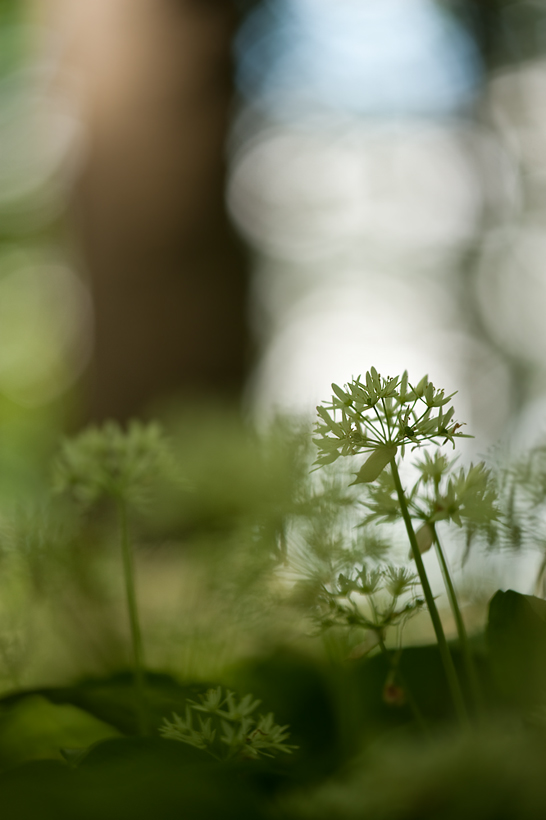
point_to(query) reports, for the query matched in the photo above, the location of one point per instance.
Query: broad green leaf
(516, 634)
(132, 779)
(35, 729)
(375, 464)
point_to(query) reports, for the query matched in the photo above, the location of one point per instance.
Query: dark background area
(142, 218)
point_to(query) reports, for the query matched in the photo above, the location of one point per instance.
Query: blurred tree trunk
(168, 276)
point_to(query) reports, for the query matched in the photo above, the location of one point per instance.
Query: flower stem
(539, 583)
(447, 660)
(459, 622)
(417, 714)
(132, 609)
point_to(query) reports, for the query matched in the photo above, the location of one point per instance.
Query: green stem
(417, 714)
(368, 424)
(132, 609)
(447, 660)
(386, 416)
(539, 591)
(459, 622)
(381, 422)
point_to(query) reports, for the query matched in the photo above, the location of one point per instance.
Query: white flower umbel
(380, 417)
(230, 729)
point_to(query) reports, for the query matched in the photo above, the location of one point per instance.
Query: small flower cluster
(229, 723)
(109, 461)
(380, 415)
(467, 497)
(523, 500)
(338, 607)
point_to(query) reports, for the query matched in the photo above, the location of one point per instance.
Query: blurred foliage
(239, 549)
(516, 636)
(235, 546)
(36, 309)
(506, 31)
(12, 14)
(495, 774)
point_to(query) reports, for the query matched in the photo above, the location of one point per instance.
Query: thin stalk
(459, 622)
(381, 421)
(386, 416)
(539, 583)
(370, 426)
(445, 655)
(132, 609)
(417, 714)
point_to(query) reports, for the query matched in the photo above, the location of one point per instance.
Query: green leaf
(111, 700)
(375, 464)
(132, 779)
(516, 634)
(35, 729)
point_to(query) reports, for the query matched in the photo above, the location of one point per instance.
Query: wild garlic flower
(466, 497)
(340, 604)
(109, 461)
(380, 415)
(230, 723)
